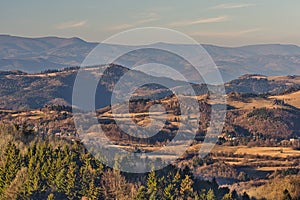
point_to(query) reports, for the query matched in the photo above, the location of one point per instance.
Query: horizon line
(97, 42)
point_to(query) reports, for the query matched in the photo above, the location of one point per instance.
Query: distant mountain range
(39, 54)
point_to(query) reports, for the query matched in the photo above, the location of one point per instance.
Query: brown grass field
(292, 98)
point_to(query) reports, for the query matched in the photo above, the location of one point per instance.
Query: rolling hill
(38, 54)
(258, 106)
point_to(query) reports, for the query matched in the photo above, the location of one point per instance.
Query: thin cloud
(147, 15)
(71, 25)
(227, 34)
(232, 6)
(120, 27)
(200, 21)
(132, 25)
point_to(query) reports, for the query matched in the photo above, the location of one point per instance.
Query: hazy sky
(230, 23)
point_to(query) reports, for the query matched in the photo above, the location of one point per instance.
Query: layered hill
(258, 107)
(38, 54)
(20, 90)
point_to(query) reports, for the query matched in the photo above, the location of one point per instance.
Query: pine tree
(61, 181)
(227, 196)
(13, 161)
(71, 189)
(93, 192)
(168, 192)
(210, 195)
(141, 193)
(196, 196)
(13, 191)
(202, 195)
(171, 187)
(152, 185)
(186, 187)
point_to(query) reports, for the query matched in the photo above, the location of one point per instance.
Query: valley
(260, 138)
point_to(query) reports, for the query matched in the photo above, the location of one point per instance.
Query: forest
(53, 168)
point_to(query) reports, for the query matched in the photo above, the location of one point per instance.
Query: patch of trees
(287, 172)
(60, 70)
(261, 113)
(56, 169)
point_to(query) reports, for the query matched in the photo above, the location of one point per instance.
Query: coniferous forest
(52, 168)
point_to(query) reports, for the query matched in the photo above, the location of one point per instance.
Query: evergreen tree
(141, 193)
(171, 191)
(202, 195)
(93, 192)
(12, 165)
(210, 195)
(186, 187)
(71, 189)
(152, 185)
(61, 181)
(227, 196)
(168, 192)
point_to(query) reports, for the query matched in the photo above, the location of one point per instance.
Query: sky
(219, 22)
